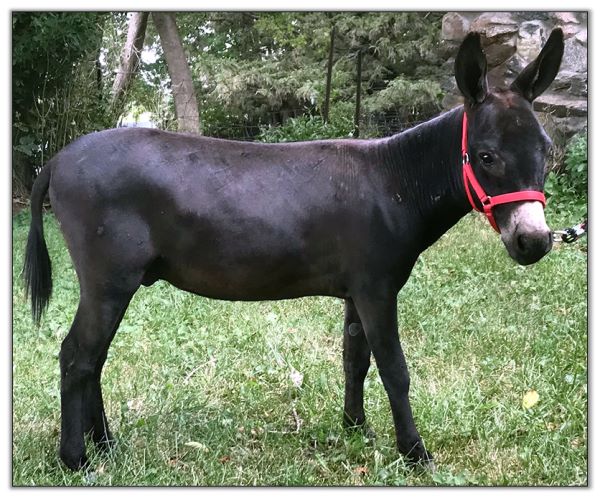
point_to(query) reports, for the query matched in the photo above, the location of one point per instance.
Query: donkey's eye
(486, 158)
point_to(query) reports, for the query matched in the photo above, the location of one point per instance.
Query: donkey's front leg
(357, 358)
(378, 313)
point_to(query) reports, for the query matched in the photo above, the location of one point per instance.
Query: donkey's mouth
(526, 235)
(529, 248)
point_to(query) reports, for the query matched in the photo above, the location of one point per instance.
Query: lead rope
(571, 234)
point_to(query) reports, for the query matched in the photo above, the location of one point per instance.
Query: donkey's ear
(538, 75)
(470, 70)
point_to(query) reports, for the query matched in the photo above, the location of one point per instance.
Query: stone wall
(511, 40)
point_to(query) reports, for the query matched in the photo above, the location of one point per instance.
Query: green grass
(199, 392)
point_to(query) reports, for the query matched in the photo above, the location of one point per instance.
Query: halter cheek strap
(488, 202)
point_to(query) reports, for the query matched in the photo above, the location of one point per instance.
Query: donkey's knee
(76, 365)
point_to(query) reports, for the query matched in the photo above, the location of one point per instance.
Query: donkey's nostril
(522, 242)
(536, 242)
(530, 247)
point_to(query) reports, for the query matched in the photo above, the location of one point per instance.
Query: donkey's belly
(249, 260)
(251, 284)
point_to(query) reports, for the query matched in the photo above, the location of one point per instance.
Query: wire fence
(371, 124)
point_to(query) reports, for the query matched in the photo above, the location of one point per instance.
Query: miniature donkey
(253, 221)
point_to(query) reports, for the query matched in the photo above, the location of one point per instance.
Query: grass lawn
(203, 392)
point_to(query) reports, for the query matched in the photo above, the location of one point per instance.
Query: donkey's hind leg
(95, 422)
(82, 355)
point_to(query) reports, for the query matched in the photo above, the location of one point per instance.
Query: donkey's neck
(423, 166)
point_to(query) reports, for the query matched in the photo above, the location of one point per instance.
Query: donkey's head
(507, 146)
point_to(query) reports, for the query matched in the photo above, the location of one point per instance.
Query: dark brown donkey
(252, 221)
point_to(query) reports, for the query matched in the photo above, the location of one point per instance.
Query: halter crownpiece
(488, 202)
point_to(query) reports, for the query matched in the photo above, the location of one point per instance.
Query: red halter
(488, 202)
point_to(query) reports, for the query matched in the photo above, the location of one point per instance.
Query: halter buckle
(486, 201)
(465, 158)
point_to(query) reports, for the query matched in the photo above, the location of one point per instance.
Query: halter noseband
(488, 202)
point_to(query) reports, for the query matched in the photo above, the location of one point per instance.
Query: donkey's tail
(37, 270)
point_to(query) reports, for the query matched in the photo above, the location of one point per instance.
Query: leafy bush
(306, 128)
(567, 188)
(402, 92)
(57, 88)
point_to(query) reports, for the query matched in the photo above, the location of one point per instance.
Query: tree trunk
(130, 57)
(186, 106)
(328, 82)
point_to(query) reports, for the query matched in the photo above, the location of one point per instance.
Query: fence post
(358, 81)
(328, 82)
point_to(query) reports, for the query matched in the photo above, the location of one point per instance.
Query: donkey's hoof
(426, 464)
(355, 425)
(74, 461)
(364, 429)
(106, 445)
(419, 458)
(105, 442)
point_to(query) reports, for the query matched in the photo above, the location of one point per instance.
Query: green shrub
(58, 92)
(567, 188)
(306, 128)
(408, 94)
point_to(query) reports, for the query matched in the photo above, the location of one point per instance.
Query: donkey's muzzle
(524, 231)
(532, 246)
